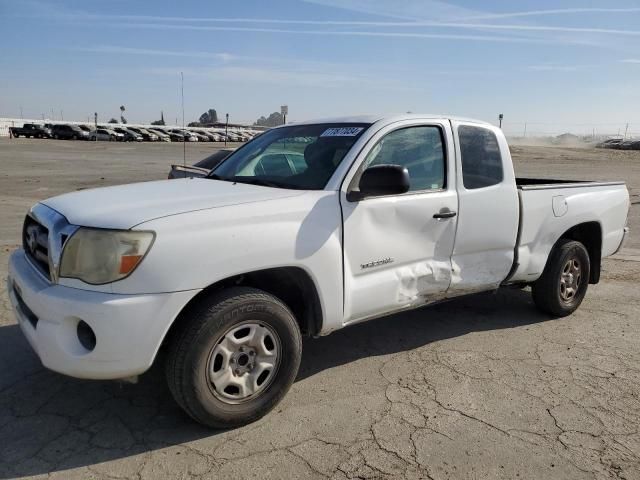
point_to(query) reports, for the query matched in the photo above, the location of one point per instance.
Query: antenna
(184, 139)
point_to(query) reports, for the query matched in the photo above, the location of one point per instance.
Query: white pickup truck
(304, 230)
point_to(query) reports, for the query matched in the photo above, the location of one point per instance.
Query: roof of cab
(385, 119)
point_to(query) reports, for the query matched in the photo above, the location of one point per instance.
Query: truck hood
(125, 206)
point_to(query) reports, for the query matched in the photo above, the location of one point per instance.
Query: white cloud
(354, 33)
(222, 56)
(557, 11)
(290, 76)
(405, 9)
(631, 60)
(555, 68)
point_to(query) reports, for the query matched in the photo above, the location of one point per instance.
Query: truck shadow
(51, 423)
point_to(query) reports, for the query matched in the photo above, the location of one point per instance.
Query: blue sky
(557, 65)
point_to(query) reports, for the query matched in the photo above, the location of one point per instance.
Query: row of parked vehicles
(620, 144)
(128, 133)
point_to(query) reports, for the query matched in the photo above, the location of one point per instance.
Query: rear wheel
(74, 137)
(234, 357)
(565, 280)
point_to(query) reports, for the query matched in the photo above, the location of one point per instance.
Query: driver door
(397, 255)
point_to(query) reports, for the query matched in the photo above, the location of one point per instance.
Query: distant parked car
(630, 145)
(610, 143)
(162, 135)
(30, 130)
(201, 168)
(210, 137)
(85, 128)
(201, 136)
(147, 136)
(103, 134)
(129, 135)
(186, 135)
(69, 132)
(175, 136)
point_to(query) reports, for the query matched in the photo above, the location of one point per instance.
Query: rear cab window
(481, 157)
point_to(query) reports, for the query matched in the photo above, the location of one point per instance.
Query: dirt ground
(481, 387)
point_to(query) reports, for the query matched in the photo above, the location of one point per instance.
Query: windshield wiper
(215, 176)
(257, 181)
(254, 181)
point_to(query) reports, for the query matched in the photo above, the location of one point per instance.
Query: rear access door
(488, 212)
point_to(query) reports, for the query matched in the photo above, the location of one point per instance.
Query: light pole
(226, 130)
(500, 118)
(95, 119)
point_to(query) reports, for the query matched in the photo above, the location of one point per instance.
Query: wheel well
(590, 235)
(292, 285)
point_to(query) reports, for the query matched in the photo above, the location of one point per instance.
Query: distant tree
(194, 124)
(273, 120)
(113, 120)
(161, 121)
(210, 116)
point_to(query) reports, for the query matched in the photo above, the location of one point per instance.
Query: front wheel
(233, 357)
(565, 279)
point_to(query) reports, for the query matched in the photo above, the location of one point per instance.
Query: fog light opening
(86, 336)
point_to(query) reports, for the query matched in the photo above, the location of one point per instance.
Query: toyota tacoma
(229, 272)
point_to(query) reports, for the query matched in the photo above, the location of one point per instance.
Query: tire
(74, 137)
(564, 281)
(198, 349)
(56, 136)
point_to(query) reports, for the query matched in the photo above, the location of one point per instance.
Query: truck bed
(549, 208)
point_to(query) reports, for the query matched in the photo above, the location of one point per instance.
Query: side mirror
(381, 180)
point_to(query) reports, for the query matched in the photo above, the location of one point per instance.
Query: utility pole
(61, 117)
(500, 118)
(95, 119)
(21, 116)
(226, 130)
(525, 129)
(626, 130)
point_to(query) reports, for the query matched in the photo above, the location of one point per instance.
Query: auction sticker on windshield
(342, 132)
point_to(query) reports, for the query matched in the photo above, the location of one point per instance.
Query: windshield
(298, 157)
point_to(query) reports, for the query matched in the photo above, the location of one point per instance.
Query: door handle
(445, 214)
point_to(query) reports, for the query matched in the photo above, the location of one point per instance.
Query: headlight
(102, 256)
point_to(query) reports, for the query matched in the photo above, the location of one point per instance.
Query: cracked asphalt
(481, 387)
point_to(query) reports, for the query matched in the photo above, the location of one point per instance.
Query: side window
(481, 157)
(419, 149)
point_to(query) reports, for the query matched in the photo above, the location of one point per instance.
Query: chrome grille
(35, 241)
(44, 234)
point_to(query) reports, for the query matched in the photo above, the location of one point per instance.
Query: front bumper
(128, 328)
